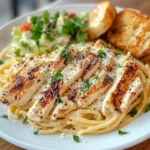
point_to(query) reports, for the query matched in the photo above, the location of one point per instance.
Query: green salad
(40, 34)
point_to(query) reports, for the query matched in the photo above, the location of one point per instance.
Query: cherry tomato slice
(70, 15)
(25, 27)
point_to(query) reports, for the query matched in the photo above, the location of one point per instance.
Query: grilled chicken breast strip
(133, 91)
(42, 107)
(25, 83)
(30, 77)
(68, 100)
(99, 86)
(114, 97)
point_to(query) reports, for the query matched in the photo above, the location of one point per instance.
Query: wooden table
(143, 5)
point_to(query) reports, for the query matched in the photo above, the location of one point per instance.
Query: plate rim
(21, 144)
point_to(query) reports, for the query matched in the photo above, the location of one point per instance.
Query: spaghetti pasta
(81, 121)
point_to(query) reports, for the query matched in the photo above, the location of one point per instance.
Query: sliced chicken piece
(59, 64)
(134, 90)
(91, 69)
(42, 107)
(102, 44)
(73, 71)
(99, 86)
(56, 60)
(31, 76)
(24, 83)
(74, 92)
(63, 108)
(115, 95)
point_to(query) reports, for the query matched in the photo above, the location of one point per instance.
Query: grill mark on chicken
(32, 70)
(77, 57)
(5, 102)
(43, 102)
(18, 85)
(55, 63)
(93, 62)
(109, 68)
(31, 76)
(107, 80)
(20, 90)
(53, 90)
(72, 94)
(23, 82)
(122, 86)
(31, 73)
(99, 86)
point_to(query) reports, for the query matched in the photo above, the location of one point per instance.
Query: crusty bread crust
(100, 19)
(146, 58)
(131, 32)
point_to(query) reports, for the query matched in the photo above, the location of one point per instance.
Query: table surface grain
(143, 5)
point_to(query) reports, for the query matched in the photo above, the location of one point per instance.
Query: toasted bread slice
(146, 58)
(100, 19)
(131, 32)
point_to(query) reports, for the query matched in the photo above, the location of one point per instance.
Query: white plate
(22, 135)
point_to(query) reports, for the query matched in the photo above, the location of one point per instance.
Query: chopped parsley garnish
(26, 46)
(81, 36)
(36, 36)
(122, 132)
(36, 132)
(50, 32)
(86, 85)
(147, 108)
(56, 16)
(66, 54)
(75, 27)
(24, 120)
(1, 62)
(101, 52)
(49, 36)
(76, 138)
(36, 28)
(57, 76)
(46, 16)
(118, 52)
(58, 100)
(5, 116)
(133, 112)
(17, 53)
(120, 66)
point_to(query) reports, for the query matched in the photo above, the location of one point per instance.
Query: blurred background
(10, 9)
